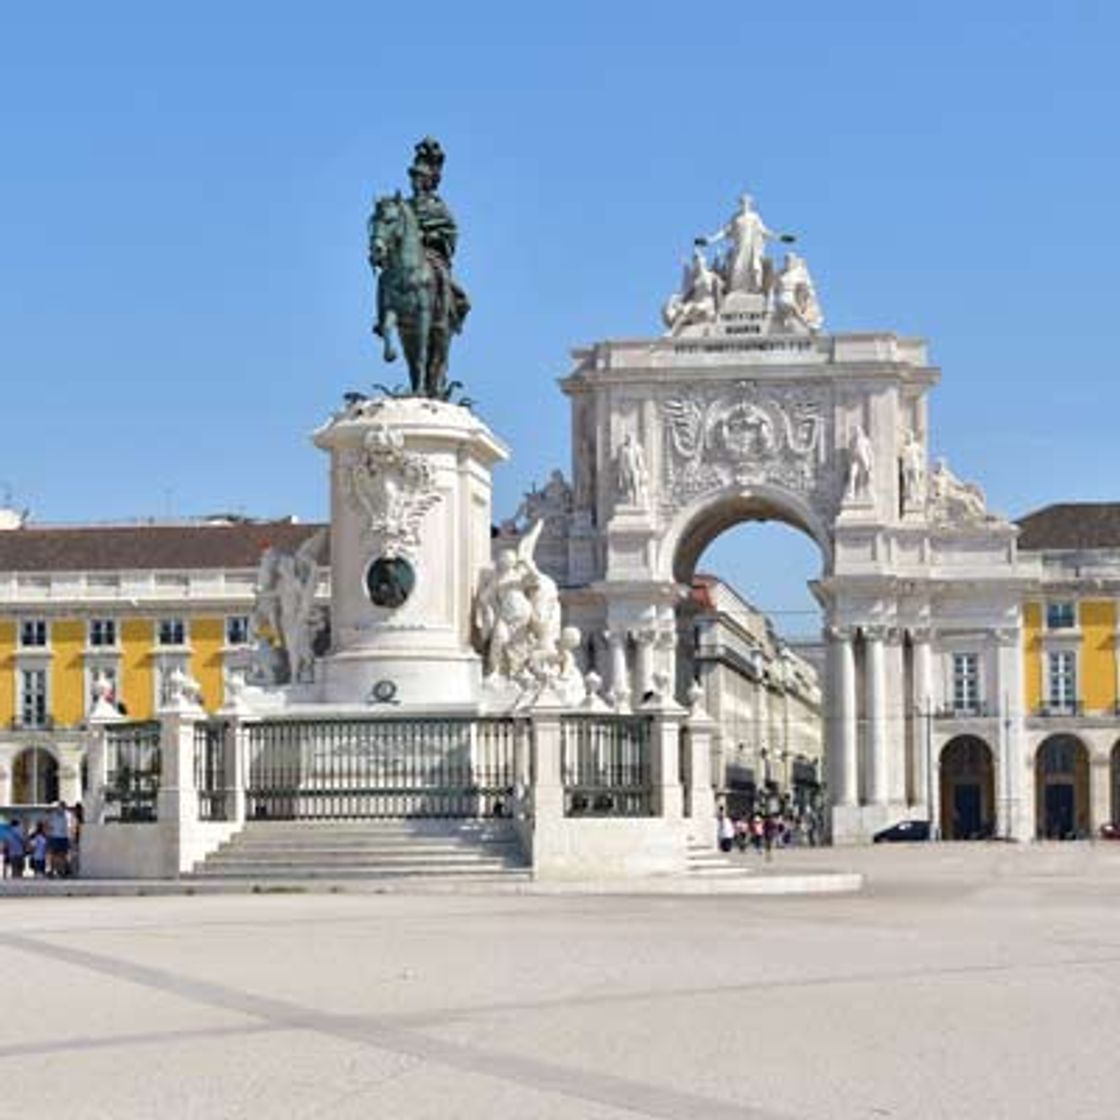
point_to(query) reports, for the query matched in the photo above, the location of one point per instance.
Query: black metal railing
(213, 770)
(605, 765)
(132, 772)
(380, 768)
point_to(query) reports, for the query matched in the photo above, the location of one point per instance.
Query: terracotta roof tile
(1071, 525)
(137, 547)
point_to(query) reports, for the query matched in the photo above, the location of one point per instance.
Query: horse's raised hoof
(389, 354)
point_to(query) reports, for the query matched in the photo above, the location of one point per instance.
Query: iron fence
(605, 765)
(381, 768)
(213, 770)
(132, 772)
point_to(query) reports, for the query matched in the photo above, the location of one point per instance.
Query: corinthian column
(840, 720)
(876, 708)
(922, 703)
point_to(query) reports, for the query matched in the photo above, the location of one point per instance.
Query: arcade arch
(1062, 788)
(750, 636)
(967, 789)
(34, 777)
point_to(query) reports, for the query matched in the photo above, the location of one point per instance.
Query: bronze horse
(412, 296)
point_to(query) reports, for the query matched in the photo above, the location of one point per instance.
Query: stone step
(311, 859)
(504, 874)
(366, 849)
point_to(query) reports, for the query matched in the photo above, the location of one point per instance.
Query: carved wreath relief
(393, 487)
(744, 435)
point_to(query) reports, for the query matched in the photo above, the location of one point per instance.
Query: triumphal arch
(747, 409)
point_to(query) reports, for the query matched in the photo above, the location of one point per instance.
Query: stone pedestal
(410, 533)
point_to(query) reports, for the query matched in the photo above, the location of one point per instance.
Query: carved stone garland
(745, 435)
(393, 487)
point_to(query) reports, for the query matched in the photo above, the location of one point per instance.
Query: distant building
(130, 602)
(764, 697)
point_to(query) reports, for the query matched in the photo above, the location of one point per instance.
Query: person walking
(725, 830)
(58, 841)
(15, 851)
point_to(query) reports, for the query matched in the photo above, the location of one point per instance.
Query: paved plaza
(963, 981)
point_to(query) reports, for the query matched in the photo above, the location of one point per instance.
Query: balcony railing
(1058, 708)
(963, 711)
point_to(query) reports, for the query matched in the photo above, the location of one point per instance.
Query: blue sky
(183, 285)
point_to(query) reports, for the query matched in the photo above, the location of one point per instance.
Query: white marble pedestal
(410, 533)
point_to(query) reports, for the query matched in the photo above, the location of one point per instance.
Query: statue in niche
(950, 499)
(795, 298)
(630, 472)
(744, 267)
(699, 298)
(411, 245)
(861, 465)
(913, 464)
(517, 615)
(283, 618)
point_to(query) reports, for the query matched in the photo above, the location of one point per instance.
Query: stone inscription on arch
(745, 434)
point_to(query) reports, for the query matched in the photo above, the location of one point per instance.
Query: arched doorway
(34, 777)
(967, 789)
(749, 633)
(1114, 785)
(1062, 786)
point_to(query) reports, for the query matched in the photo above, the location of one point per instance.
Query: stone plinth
(410, 533)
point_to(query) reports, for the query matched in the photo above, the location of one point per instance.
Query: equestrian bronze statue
(411, 245)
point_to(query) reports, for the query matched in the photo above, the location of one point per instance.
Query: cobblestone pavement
(964, 981)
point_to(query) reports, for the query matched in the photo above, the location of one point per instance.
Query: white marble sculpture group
(787, 294)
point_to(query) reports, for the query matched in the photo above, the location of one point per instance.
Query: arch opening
(749, 634)
(1062, 788)
(967, 789)
(34, 777)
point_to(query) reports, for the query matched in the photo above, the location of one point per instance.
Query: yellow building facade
(126, 604)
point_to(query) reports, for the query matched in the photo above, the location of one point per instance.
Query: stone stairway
(374, 849)
(708, 862)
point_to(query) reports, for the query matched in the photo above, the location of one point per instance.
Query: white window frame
(40, 624)
(173, 621)
(97, 626)
(1063, 700)
(1056, 604)
(230, 619)
(43, 694)
(965, 682)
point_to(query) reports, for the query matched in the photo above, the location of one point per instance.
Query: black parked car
(903, 830)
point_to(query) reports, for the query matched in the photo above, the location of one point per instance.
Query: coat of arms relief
(746, 434)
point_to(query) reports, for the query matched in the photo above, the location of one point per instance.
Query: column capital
(839, 633)
(1007, 635)
(923, 634)
(875, 632)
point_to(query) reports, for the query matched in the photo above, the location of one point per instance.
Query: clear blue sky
(183, 285)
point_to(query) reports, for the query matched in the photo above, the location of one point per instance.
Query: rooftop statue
(699, 298)
(744, 267)
(411, 245)
(795, 298)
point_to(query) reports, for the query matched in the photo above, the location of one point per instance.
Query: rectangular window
(1062, 681)
(172, 632)
(1061, 616)
(33, 697)
(237, 630)
(966, 682)
(33, 633)
(103, 632)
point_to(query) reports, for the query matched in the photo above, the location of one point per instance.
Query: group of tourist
(785, 826)
(45, 848)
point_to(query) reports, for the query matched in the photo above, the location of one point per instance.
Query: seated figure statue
(698, 301)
